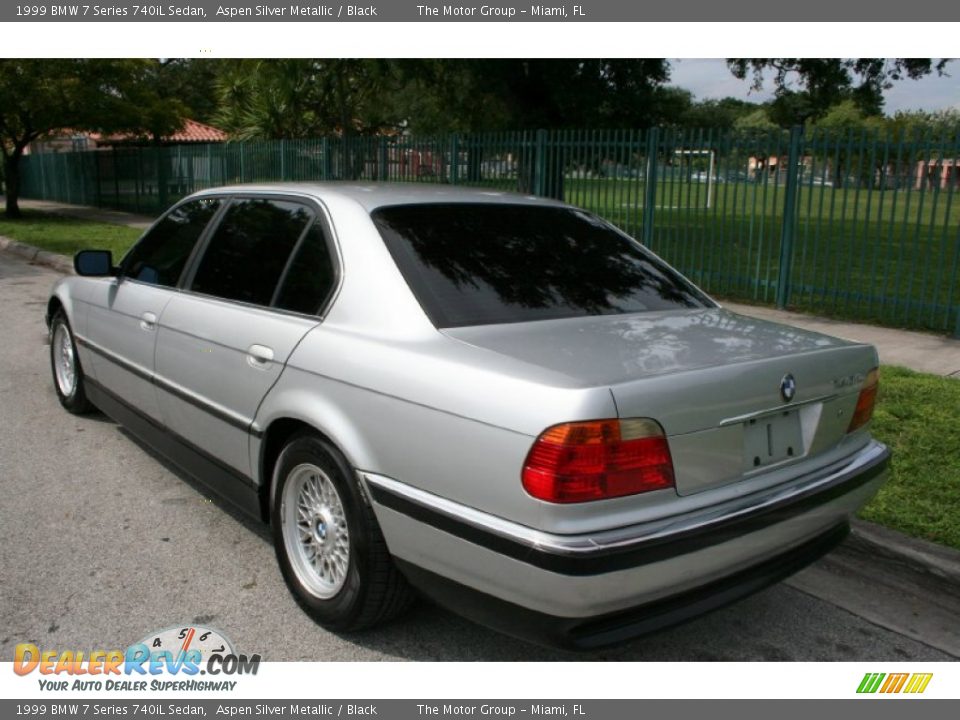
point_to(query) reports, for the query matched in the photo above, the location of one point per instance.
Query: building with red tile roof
(192, 132)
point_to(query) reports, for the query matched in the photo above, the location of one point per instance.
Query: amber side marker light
(598, 459)
(866, 401)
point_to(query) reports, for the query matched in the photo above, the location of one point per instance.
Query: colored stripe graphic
(894, 683)
(918, 683)
(870, 682)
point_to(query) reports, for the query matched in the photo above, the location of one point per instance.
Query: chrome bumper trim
(635, 544)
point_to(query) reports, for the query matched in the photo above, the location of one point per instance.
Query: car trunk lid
(735, 395)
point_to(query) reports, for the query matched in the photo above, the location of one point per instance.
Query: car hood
(613, 349)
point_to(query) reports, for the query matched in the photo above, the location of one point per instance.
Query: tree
(828, 81)
(939, 124)
(791, 108)
(528, 94)
(297, 98)
(43, 96)
(846, 117)
(755, 121)
(193, 82)
(724, 113)
(534, 94)
(843, 123)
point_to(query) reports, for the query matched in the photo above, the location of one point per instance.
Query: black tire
(373, 590)
(74, 401)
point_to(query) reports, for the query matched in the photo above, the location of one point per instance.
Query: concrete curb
(939, 563)
(908, 586)
(27, 252)
(55, 261)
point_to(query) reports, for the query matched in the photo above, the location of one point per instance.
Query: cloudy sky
(711, 79)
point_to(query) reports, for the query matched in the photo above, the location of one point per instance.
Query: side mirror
(94, 263)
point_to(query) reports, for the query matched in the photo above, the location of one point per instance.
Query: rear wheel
(68, 378)
(331, 552)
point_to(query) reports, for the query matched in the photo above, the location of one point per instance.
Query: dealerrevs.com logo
(891, 683)
(176, 652)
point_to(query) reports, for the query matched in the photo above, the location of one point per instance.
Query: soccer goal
(698, 166)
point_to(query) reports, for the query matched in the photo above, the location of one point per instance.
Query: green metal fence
(852, 225)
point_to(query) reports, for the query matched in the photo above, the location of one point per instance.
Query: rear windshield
(482, 264)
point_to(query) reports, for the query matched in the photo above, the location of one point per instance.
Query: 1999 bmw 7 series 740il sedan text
(501, 401)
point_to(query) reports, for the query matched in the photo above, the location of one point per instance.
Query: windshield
(482, 264)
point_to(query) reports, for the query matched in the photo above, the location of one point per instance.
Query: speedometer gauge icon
(182, 639)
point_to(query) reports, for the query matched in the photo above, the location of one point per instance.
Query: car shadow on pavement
(432, 633)
(260, 529)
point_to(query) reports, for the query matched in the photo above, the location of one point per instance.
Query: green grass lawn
(884, 257)
(918, 416)
(68, 235)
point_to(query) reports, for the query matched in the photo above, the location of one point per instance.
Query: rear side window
(249, 249)
(309, 280)
(161, 254)
(480, 264)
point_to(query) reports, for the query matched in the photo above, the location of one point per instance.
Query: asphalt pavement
(102, 542)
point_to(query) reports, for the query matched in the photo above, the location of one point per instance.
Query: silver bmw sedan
(498, 401)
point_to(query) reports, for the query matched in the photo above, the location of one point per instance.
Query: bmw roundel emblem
(788, 387)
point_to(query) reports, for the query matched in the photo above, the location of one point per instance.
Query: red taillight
(865, 402)
(598, 459)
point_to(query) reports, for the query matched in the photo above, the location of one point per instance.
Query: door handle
(148, 321)
(259, 356)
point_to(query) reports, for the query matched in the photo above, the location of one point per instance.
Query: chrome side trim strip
(138, 370)
(221, 413)
(190, 397)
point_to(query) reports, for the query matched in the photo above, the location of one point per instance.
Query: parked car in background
(501, 401)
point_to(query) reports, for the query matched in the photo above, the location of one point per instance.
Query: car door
(253, 294)
(121, 328)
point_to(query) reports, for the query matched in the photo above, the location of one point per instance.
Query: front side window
(160, 256)
(481, 264)
(249, 249)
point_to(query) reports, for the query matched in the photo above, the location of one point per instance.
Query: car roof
(374, 195)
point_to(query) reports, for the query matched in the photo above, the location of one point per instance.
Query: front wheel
(67, 373)
(331, 552)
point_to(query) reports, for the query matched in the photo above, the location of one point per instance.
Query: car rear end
(733, 453)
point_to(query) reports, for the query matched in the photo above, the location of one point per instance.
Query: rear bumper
(722, 552)
(611, 628)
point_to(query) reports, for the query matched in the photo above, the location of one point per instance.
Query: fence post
(454, 159)
(283, 160)
(650, 189)
(138, 184)
(43, 176)
(383, 173)
(325, 158)
(98, 192)
(540, 164)
(116, 177)
(80, 162)
(163, 184)
(789, 217)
